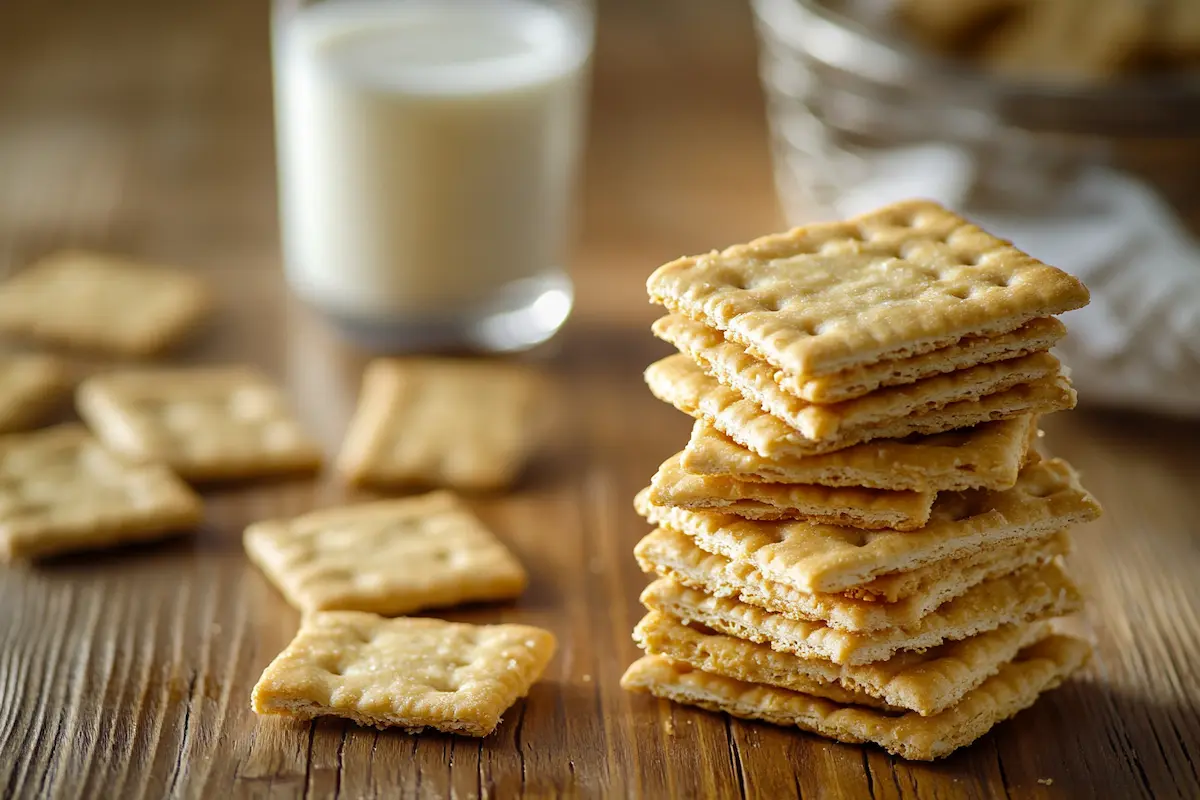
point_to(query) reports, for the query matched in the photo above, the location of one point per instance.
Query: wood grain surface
(144, 127)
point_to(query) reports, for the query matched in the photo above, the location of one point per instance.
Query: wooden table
(144, 127)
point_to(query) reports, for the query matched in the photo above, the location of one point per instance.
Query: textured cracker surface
(755, 380)
(468, 425)
(679, 381)
(828, 558)
(407, 673)
(853, 507)
(82, 299)
(1036, 669)
(969, 351)
(30, 386)
(673, 555)
(62, 491)
(987, 456)
(928, 682)
(1022, 597)
(390, 557)
(206, 423)
(903, 280)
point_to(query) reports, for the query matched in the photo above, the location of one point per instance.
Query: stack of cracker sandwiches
(861, 539)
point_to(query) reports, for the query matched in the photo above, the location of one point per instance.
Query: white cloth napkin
(1137, 345)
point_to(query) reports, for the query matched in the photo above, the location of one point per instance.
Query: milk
(427, 151)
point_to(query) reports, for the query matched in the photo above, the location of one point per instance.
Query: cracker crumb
(669, 726)
(1046, 781)
(587, 678)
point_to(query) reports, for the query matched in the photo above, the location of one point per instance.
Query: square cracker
(854, 507)
(987, 456)
(467, 425)
(696, 338)
(62, 491)
(755, 380)
(1036, 669)
(828, 558)
(206, 423)
(407, 673)
(673, 555)
(390, 557)
(1032, 337)
(928, 682)
(1021, 597)
(100, 302)
(30, 386)
(679, 381)
(898, 282)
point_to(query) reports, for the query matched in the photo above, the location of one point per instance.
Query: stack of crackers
(861, 539)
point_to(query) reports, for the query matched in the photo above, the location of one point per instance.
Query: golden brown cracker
(407, 673)
(1017, 685)
(903, 280)
(62, 491)
(389, 557)
(101, 302)
(206, 423)
(827, 558)
(467, 425)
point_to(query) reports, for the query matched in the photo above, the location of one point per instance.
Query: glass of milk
(428, 152)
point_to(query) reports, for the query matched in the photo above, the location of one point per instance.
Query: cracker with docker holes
(928, 682)
(206, 423)
(901, 281)
(1021, 597)
(828, 558)
(987, 456)
(30, 387)
(850, 506)
(406, 673)
(466, 425)
(1036, 669)
(970, 351)
(755, 380)
(62, 491)
(679, 381)
(98, 302)
(389, 557)
(675, 556)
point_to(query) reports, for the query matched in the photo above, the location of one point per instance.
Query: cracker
(853, 507)
(62, 491)
(1032, 337)
(469, 425)
(30, 387)
(390, 557)
(673, 555)
(679, 381)
(928, 682)
(952, 24)
(407, 673)
(827, 558)
(1025, 596)
(898, 282)
(755, 381)
(1070, 40)
(987, 456)
(100, 302)
(662, 635)
(206, 423)
(1036, 669)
